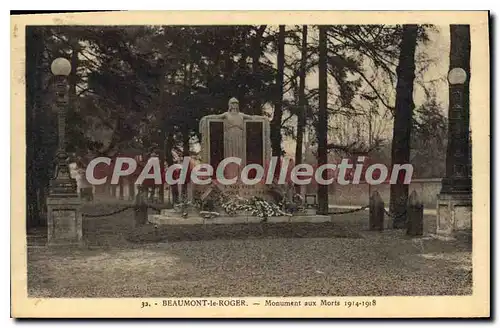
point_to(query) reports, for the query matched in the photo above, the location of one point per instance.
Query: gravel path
(374, 265)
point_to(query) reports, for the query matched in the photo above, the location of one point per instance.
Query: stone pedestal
(64, 221)
(172, 218)
(454, 214)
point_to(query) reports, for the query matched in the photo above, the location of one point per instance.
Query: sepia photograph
(263, 165)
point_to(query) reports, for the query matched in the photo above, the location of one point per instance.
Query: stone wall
(358, 195)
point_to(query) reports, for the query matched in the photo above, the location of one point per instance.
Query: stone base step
(160, 219)
(173, 213)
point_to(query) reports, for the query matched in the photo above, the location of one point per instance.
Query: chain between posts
(395, 216)
(135, 206)
(159, 210)
(350, 211)
(88, 215)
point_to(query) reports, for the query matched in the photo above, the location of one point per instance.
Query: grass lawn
(335, 259)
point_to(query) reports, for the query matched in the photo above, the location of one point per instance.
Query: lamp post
(62, 185)
(454, 205)
(457, 180)
(64, 222)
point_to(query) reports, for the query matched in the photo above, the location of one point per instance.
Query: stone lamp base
(64, 221)
(454, 214)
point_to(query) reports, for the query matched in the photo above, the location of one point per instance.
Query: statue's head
(234, 105)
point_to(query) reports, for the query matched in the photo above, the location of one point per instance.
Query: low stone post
(141, 208)
(376, 212)
(415, 215)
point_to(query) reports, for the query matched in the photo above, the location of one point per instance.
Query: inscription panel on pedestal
(64, 224)
(216, 146)
(254, 143)
(246, 191)
(444, 217)
(463, 215)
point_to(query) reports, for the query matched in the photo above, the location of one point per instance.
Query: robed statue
(234, 136)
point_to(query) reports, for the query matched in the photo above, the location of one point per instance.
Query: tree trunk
(322, 128)
(73, 77)
(301, 112)
(403, 121)
(163, 134)
(169, 144)
(241, 90)
(185, 128)
(185, 153)
(256, 51)
(33, 57)
(161, 157)
(39, 135)
(278, 110)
